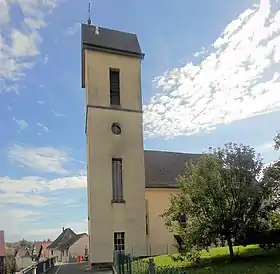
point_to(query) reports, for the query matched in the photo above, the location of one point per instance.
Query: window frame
(119, 241)
(115, 87)
(117, 180)
(147, 217)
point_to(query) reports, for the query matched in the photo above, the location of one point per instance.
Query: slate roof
(111, 40)
(162, 167)
(65, 239)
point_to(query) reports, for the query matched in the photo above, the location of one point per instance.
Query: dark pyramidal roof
(109, 40)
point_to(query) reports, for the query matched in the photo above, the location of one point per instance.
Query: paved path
(73, 268)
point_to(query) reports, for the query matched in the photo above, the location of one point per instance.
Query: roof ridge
(110, 29)
(171, 152)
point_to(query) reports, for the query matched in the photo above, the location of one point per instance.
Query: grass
(250, 259)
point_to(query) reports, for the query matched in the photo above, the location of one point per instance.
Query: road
(73, 268)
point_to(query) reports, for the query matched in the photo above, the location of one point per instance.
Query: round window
(116, 128)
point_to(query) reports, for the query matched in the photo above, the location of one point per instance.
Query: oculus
(116, 128)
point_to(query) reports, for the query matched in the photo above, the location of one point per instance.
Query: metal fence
(126, 264)
(40, 267)
(153, 250)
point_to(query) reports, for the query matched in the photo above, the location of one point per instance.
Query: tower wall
(105, 216)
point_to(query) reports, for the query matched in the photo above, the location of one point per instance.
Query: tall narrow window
(119, 244)
(147, 217)
(115, 99)
(117, 180)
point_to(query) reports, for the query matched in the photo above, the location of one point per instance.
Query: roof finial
(89, 13)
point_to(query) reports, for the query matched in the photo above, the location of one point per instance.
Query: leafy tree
(10, 266)
(271, 175)
(222, 199)
(277, 141)
(23, 243)
(274, 222)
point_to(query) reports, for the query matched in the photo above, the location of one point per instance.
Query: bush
(266, 239)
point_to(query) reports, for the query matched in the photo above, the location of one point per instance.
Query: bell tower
(111, 75)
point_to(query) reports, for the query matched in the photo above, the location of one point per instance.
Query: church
(128, 187)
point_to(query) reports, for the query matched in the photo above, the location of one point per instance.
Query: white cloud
(45, 59)
(54, 232)
(20, 223)
(40, 102)
(32, 191)
(57, 114)
(22, 124)
(12, 190)
(43, 127)
(266, 147)
(36, 194)
(34, 23)
(73, 29)
(19, 46)
(4, 12)
(24, 45)
(45, 159)
(14, 220)
(238, 78)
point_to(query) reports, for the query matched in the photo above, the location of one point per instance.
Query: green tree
(222, 199)
(274, 221)
(277, 141)
(10, 266)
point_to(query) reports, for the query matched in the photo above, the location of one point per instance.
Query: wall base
(102, 266)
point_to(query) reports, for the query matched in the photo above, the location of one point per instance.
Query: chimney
(62, 229)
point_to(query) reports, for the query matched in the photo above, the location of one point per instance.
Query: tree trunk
(231, 252)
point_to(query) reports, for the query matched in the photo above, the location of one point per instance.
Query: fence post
(152, 269)
(129, 262)
(118, 262)
(34, 270)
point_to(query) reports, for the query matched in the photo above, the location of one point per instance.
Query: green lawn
(251, 259)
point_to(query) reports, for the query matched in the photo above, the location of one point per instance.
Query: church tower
(111, 75)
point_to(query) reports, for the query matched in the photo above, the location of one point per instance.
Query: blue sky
(210, 75)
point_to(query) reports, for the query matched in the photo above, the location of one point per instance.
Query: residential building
(69, 245)
(41, 250)
(128, 187)
(23, 259)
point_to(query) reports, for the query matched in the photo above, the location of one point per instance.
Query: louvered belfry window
(117, 180)
(115, 99)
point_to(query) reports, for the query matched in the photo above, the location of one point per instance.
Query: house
(128, 187)
(69, 245)
(23, 259)
(41, 250)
